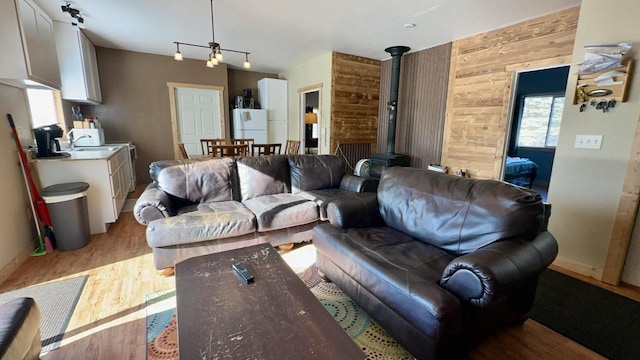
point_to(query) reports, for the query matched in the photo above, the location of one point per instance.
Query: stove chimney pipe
(396, 54)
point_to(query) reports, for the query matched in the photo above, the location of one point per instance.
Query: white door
(198, 116)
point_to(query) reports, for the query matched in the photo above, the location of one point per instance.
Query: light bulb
(247, 64)
(177, 56)
(209, 63)
(219, 56)
(214, 61)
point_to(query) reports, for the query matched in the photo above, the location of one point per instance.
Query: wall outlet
(588, 142)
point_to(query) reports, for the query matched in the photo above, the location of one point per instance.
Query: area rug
(600, 320)
(56, 301)
(372, 339)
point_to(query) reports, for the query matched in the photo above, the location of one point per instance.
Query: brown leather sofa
(441, 262)
(200, 207)
(20, 329)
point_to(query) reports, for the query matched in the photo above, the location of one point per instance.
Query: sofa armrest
(495, 271)
(151, 205)
(358, 184)
(356, 212)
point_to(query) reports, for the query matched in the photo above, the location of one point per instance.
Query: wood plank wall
(355, 88)
(424, 76)
(480, 82)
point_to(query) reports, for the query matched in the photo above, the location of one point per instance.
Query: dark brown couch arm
(485, 276)
(151, 205)
(358, 184)
(358, 212)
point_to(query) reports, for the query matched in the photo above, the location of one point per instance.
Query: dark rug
(605, 322)
(56, 301)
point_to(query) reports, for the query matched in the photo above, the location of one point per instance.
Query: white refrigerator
(250, 124)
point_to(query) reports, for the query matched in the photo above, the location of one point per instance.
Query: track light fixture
(215, 56)
(178, 54)
(74, 14)
(247, 64)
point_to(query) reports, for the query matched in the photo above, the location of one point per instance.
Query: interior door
(198, 116)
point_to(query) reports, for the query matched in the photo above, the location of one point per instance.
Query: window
(540, 121)
(45, 106)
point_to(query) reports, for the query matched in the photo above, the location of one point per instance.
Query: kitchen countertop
(87, 153)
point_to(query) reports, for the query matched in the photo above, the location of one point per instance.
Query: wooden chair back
(183, 151)
(248, 142)
(229, 150)
(208, 143)
(265, 149)
(292, 147)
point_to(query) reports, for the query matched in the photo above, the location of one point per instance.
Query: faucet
(72, 141)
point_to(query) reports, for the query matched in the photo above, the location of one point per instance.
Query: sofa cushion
(279, 211)
(20, 329)
(312, 172)
(215, 220)
(325, 196)
(400, 271)
(263, 175)
(458, 214)
(199, 181)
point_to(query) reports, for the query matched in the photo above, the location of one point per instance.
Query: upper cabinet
(78, 65)
(28, 46)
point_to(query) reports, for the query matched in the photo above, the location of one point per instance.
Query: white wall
(314, 71)
(15, 226)
(586, 185)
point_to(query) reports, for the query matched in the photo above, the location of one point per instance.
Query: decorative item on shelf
(463, 173)
(215, 56)
(605, 85)
(437, 168)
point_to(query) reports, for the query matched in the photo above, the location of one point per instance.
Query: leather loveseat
(200, 207)
(440, 261)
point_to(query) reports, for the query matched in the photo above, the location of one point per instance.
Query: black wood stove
(377, 162)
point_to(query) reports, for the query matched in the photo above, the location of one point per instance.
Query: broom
(38, 205)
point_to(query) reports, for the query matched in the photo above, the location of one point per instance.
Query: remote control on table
(242, 273)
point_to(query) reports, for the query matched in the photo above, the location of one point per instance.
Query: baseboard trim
(579, 268)
(15, 263)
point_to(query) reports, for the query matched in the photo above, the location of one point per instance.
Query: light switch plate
(593, 142)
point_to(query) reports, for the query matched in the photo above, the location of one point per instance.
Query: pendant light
(215, 56)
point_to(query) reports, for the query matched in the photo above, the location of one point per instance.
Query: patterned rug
(372, 339)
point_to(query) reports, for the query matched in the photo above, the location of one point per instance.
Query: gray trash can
(67, 204)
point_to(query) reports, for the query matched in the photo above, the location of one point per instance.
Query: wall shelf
(619, 92)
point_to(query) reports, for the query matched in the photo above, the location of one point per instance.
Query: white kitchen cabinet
(78, 64)
(106, 172)
(273, 97)
(28, 45)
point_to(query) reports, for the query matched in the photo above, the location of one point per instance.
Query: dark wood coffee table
(275, 317)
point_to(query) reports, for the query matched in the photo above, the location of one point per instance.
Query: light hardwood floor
(109, 320)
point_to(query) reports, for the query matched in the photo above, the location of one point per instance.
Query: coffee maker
(47, 140)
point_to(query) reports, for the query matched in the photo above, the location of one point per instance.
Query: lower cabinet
(108, 180)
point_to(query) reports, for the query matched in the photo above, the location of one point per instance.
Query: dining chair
(183, 151)
(292, 147)
(208, 143)
(229, 150)
(248, 142)
(265, 149)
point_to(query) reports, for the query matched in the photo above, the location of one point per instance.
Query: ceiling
(281, 34)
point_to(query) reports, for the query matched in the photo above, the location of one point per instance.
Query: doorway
(538, 104)
(196, 113)
(310, 110)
